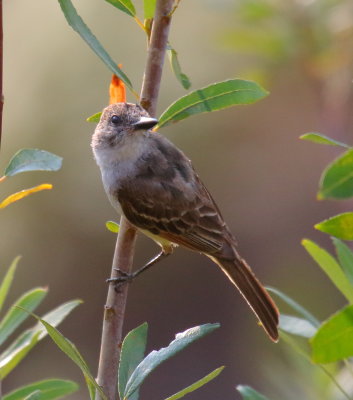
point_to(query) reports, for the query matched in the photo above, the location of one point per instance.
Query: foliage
(14, 353)
(134, 367)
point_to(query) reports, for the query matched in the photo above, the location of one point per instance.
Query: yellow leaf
(23, 193)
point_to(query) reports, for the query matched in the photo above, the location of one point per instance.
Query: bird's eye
(115, 119)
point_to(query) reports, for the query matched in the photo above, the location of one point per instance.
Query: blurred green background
(263, 178)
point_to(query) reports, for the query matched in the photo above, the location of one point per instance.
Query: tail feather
(254, 293)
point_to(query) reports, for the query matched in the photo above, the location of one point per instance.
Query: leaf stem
(124, 251)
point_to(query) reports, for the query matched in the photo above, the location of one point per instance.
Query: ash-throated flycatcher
(154, 185)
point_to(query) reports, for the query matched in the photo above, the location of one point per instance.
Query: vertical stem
(116, 301)
(1, 68)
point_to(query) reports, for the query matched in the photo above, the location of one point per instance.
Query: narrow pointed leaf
(334, 340)
(24, 193)
(331, 267)
(33, 160)
(249, 393)
(322, 139)
(345, 257)
(7, 364)
(6, 282)
(95, 117)
(132, 353)
(14, 317)
(337, 179)
(112, 226)
(179, 74)
(149, 7)
(71, 351)
(340, 226)
(295, 306)
(155, 358)
(78, 25)
(296, 326)
(213, 98)
(20, 347)
(37, 395)
(51, 389)
(197, 384)
(125, 6)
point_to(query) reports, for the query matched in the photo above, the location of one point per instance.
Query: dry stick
(124, 250)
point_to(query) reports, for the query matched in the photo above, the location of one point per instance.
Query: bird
(154, 185)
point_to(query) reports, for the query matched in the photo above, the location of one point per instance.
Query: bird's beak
(145, 123)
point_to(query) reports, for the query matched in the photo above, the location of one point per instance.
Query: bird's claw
(119, 281)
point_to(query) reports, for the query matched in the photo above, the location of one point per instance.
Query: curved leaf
(155, 358)
(125, 6)
(14, 317)
(337, 179)
(334, 340)
(345, 257)
(20, 347)
(112, 226)
(213, 98)
(322, 139)
(51, 389)
(296, 326)
(24, 193)
(149, 7)
(196, 385)
(78, 25)
(340, 226)
(33, 160)
(249, 393)
(132, 352)
(179, 74)
(7, 280)
(331, 267)
(95, 117)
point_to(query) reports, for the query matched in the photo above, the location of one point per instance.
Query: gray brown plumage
(154, 185)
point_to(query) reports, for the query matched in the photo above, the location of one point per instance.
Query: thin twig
(124, 250)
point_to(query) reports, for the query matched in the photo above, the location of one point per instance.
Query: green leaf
(112, 226)
(174, 62)
(149, 7)
(51, 389)
(155, 358)
(125, 6)
(212, 98)
(295, 306)
(7, 364)
(345, 257)
(78, 25)
(95, 117)
(132, 353)
(33, 160)
(337, 179)
(196, 385)
(330, 266)
(249, 393)
(14, 317)
(29, 338)
(71, 351)
(334, 340)
(340, 226)
(37, 395)
(296, 326)
(6, 282)
(322, 139)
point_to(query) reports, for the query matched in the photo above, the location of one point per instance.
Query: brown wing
(167, 198)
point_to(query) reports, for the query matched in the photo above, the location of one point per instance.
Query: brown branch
(124, 250)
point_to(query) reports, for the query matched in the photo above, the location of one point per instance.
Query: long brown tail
(254, 293)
